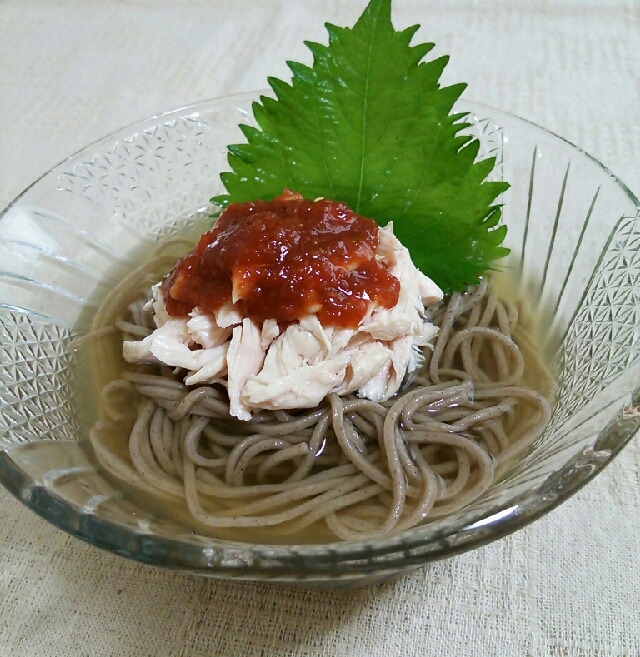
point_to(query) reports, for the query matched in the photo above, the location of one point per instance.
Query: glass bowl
(574, 232)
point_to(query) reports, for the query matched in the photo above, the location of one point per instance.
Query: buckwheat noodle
(365, 469)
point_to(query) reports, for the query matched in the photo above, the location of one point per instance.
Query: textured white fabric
(567, 586)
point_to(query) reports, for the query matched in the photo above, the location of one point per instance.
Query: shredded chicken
(265, 367)
(244, 361)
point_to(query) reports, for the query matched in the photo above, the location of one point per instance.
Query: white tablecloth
(567, 586)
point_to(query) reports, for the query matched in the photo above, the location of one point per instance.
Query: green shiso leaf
(368, 124)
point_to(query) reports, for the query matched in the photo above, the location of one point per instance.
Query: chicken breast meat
(265, 366)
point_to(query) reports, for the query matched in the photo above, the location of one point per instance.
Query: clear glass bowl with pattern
(574, 232)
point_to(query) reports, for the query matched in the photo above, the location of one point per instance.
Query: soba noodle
(364, 469)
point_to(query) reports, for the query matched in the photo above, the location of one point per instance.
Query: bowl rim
(257, 94)
(255, 561)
